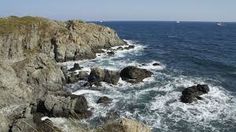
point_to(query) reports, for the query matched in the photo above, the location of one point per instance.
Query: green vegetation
(22, 24)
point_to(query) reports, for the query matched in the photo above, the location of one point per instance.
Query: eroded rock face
(98, 75)
(41, 73)
(25, 36)
(13, 90)
(134, 75)
(193, 93)
(124, 125)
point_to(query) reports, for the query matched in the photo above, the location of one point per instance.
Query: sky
(120, 10)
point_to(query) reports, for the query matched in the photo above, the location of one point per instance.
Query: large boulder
(64, 105)
(193, 93)
(98, 75)
(133, 74)
(124, 125)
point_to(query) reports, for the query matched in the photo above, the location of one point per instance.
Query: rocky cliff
(31, 82)
(71, 40)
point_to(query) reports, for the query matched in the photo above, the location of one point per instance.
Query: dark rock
(156, 64)
(129, 47)
(104, 100)
(98, 75)
(111, 53)
(134, 75)
(120, 48)
(83, 75)
(75, 67)
(66, 105)
(193, 93)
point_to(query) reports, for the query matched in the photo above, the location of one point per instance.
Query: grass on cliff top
(22, 24)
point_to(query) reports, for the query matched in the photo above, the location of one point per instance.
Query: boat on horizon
(220, 24)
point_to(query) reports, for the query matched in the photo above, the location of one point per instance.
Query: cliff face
(29, 49)
(63, 41)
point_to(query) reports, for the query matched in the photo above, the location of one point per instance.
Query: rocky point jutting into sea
(33, 83)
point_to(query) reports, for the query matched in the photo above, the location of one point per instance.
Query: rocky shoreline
(33, 83)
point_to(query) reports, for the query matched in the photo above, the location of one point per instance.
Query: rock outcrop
(124, 125)
(31, 82)
(72, 40)
(193, 93)
(98, 75)
(134, 75)
(64, 105)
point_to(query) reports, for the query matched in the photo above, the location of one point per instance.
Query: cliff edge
(64, 41)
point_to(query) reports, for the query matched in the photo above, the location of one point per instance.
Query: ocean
(189, 53)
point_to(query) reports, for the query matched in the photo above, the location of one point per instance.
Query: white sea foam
(150, 66)
(163, 110)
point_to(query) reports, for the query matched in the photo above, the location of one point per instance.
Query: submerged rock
(111, 53)
(124, 125)
(129, 47)
(104, 100)
(193, 93)
(98, 75)
(134, 75)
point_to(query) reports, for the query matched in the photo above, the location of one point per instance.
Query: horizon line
(124, 20)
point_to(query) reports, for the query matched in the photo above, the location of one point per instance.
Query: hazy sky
(197, 10)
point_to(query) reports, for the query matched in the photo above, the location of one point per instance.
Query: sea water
(189, 53)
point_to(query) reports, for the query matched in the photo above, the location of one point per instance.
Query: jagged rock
(41, 73)
(111, 53)
(120, 48)
(104, 100)
(129, 47)
(73, 77)
(193, 93)
(124, 125)
(73, 40)
(134, 75)
(75, 67)
(98, 75)
(64, 106)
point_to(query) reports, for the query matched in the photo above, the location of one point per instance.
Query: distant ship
(220, 24)
(177, 21)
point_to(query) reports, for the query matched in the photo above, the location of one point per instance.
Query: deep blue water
(196, 49)
(190, 53)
